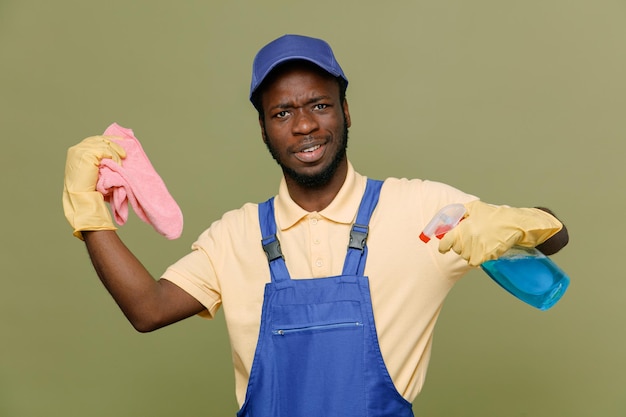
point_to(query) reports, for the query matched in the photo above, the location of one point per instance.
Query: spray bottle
(524, 272)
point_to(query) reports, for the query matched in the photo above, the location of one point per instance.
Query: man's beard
(316, 180)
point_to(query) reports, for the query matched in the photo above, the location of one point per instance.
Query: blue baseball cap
(292, 47)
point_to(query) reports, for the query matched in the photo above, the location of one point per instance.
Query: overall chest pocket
(319, 359)
(322, 327)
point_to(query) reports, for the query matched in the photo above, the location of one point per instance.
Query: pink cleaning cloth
(137, 182)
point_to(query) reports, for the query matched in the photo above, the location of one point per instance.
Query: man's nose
(304, 122)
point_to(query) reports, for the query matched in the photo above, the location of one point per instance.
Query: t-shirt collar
(342, 209)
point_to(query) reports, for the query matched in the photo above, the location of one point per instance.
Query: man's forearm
(148, 304)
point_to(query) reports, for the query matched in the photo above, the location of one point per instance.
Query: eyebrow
(312, 100)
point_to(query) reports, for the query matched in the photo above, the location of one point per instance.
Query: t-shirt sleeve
(195, 274)
(434, 196)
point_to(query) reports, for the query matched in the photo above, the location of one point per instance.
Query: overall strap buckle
(271, 247)
(358, 236)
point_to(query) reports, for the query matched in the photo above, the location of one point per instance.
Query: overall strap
(357, 248)
(271, 245)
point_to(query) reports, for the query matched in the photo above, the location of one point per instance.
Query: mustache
(309, 141)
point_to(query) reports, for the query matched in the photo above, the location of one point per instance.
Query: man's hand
(488, 231)
(84, 207)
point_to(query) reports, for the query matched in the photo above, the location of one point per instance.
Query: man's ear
(262, 125)
(346, 112)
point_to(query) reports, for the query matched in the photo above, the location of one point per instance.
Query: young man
(329, 296)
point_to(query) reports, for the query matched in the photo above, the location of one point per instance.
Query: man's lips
(311, 153)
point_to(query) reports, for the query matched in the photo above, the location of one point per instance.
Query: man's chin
(310, 180)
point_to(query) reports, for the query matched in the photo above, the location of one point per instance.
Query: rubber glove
(488, 231)
(84, 207)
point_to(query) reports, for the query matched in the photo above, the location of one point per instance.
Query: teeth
(312, 149)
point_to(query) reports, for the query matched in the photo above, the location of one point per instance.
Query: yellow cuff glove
(488, 231)
(84, 207)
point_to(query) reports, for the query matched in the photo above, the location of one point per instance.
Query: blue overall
(317, 353)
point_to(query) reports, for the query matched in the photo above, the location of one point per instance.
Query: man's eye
(281, 114)
(321, 106)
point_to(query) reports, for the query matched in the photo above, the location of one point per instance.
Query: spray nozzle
(444, 221)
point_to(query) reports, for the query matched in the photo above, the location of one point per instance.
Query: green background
(519, 102)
